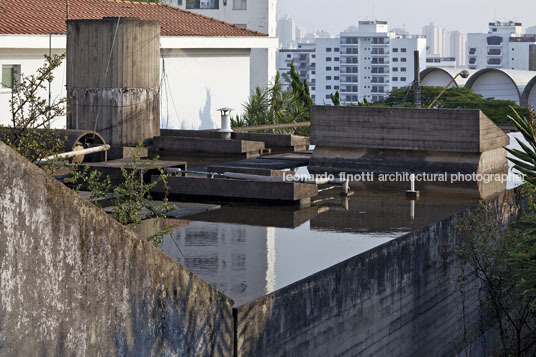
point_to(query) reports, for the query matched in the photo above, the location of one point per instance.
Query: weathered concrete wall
(75, 282)
(113, 78)
(173, 144)
(405, 139)
(399, 299)
(448, 130)
(269, 140)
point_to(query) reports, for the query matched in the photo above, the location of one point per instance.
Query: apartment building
(504, 46)
(364, 62)
(304, 58)
(257, 15)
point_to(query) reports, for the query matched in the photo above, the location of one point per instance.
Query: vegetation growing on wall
(503, 259)
(29, 130)
(30, 134)
(131, 199)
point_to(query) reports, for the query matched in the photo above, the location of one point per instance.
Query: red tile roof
(43, 16)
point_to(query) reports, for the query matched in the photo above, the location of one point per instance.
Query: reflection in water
(247, 262)
(249, 251)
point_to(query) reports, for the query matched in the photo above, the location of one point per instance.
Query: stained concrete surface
(75, 282)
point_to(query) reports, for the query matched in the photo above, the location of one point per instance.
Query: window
(402, 50)
(337, 50)
(328, 49)
(328, 68)
(202, 4)
(336, 78)
(395, 49)
(495, 40)
(395, 59)
(328, 59)
(313, 88)
(402, 69)
(336, 87)
(313, 56)
(328, 78)
(10, 75)
(289, 56)
(336, 68)
(328, 87)
(328, 96)
(395, 79)
(403, 79)
(395, 69)
(336, 59)
(313, 72)
(403, 59)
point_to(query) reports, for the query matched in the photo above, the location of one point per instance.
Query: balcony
(494, 52)
(379, 63)
(380, 43)
(379, 52)
(379, 81)
(379, 71)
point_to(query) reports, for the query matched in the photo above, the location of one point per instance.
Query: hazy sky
(465, 15)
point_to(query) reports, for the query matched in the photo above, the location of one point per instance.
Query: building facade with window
(504, 46)
(256, 15)
(304, 58)
(205, 64)
(365, 62)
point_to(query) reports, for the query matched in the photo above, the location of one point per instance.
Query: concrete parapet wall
(270, 140)
(75, 282)
(207, 145)
(400, 298)
(449, 130)
(239, 189)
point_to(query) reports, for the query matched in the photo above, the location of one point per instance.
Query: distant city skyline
(474, 16)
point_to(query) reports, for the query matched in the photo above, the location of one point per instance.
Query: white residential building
(458, 47)
(504, 46)
(257, 15)
(365, 63)
(204, 65)
(286, 32)
(435, 38)
(304, 58)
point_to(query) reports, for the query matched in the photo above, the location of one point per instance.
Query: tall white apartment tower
(434, 39)
(365, 63)
(286, 32)
(504, 46)
(257, 15)
(458, 47)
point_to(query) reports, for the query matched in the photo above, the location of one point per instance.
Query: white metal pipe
(69, 154)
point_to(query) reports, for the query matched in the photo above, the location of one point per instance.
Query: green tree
(336, 99)
(273, 105)
(485, 250)
(29, 131)
(453, 98)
